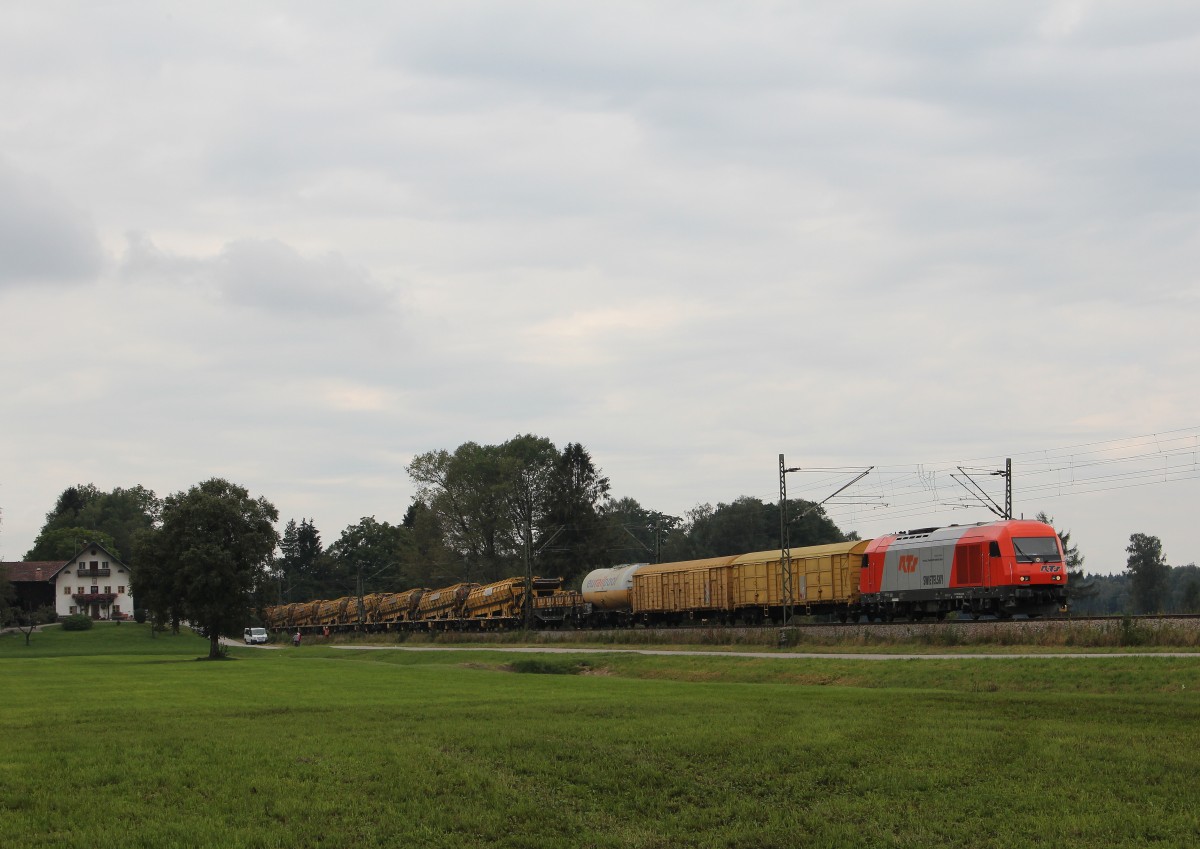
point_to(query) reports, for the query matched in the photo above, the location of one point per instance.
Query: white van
(255, 635)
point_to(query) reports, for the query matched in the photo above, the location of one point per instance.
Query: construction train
(1000, 568)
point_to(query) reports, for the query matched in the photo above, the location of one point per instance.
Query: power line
(907, 491)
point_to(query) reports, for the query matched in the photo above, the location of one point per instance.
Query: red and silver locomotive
(1001, 568)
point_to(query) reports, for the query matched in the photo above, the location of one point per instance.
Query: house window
(108, 589)
(95, 564)
(81, 590)
(121, 590)
(74, 610)
(116, 608)
(66, 590)
(95, 590)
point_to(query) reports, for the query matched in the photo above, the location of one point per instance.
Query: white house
(94, 582)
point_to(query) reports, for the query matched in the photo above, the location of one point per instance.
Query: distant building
(94, 582)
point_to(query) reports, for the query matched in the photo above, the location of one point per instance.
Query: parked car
(255, 635)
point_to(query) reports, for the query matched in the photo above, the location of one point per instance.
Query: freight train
(1000, 568)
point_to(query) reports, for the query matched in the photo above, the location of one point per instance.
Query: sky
(295, 244)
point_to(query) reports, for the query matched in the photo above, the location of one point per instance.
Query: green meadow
(114, 738)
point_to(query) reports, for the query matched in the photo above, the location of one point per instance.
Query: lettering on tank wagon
(602, 583)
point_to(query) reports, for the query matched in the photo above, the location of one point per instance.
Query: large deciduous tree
(1148, 572)
(208, 557)
(465, 493)
(496, 504)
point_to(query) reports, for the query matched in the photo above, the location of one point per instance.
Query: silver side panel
(922, 563)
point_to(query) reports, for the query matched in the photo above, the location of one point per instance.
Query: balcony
(104, 599)
(94, 573)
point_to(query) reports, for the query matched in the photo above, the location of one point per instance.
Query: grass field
(115, 739)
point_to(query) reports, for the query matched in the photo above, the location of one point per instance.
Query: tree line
(480, 513)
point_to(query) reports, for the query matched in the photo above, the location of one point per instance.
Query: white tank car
(611, 588)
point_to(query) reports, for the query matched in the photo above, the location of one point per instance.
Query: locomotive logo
(1051, 567)
(908, 563)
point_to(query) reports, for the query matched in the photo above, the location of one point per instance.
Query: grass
(116, 739)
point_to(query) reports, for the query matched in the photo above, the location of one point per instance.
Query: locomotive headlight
(1024, 579)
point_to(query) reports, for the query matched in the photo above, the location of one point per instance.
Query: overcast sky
(295, 244)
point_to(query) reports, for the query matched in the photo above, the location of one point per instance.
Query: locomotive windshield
(1030, 549)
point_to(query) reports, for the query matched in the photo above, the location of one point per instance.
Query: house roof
(27, 572)
(34, 570)
(89, 545)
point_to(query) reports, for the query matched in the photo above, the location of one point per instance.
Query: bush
(139, 615)
(77, 622)
(550, 666)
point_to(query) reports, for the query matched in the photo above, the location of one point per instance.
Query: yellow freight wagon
(504, 600)
(370, 604)
(691, 589)
(443, 604)
(824, 579)
(276, 617)
(397, 607)
(305, 614)
(500, 600)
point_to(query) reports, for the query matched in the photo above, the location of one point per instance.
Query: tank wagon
(999, 568)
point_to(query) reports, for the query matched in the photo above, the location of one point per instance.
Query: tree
(1148, 572)
(1189, 601)
(465, 492)
(8, 598)
(571, 534)
(84, 513)
(527, 464)
(370, 550)
(746, 525)
(299, 567)
(634, 534)
(432, 556)
(495, 505)
(27, 621)
(64, 543)
(209, 557)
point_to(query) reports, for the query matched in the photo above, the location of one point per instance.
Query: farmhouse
(94, 582)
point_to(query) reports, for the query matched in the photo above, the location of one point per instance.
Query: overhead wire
(920, 489)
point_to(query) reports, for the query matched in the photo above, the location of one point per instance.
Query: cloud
(43, 238)
(265, 275)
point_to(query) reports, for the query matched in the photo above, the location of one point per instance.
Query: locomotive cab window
(1030, 549)
(993, 549)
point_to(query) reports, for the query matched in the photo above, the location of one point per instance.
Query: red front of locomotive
(1001, 568)
(1031, 557)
